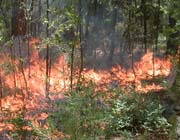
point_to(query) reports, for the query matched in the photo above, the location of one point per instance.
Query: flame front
(146, 69)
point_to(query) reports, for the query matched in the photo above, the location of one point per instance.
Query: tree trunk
(114, 20)
(39, 17)
(81, 45)
(47, 52)
(86, 36)
(1, 90)
(157, 24)
(18, 21)
(145, 24)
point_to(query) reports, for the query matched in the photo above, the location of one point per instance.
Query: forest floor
(31, 104)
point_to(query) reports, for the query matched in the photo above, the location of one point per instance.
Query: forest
(89, 70)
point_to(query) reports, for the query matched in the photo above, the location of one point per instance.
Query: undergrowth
(82, 114)
(137, 115)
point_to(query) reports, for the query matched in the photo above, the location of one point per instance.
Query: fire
(146, 69)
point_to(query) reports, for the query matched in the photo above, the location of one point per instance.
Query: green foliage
(43, 133)
(63, 26)
(136, 114)
(19, 123)
(8, 67)
(82, 115)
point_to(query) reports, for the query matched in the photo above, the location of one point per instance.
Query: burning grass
(17, 94)
(147, 68)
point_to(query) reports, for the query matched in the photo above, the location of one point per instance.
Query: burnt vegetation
(89, 69)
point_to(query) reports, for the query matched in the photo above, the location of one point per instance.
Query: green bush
(84, 115)
(19, 131)
(136, 114)
(81, 115)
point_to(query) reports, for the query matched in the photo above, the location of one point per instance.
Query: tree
(18, 21)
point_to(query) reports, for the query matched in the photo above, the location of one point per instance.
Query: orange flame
(145, 69)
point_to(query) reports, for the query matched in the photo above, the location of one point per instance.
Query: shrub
(136, 114)
(20, 124)
(81, 115)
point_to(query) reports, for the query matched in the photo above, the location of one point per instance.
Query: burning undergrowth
(25, 87)
(144, 76)
(31, 79)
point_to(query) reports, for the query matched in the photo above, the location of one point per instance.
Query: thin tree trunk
(72, 66)
(156, 36)
(72, 62)
(22, 69)
(157, 24)
(31, 20)
(87, 50)
(50, 63)
(81, 46)
(86, 36)
(145, 24)
(29, 68)
(39, 17)
(131, 45)
(1, 90)
(114, 20)
(14, 68)
(28, 39)
(47, 52)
